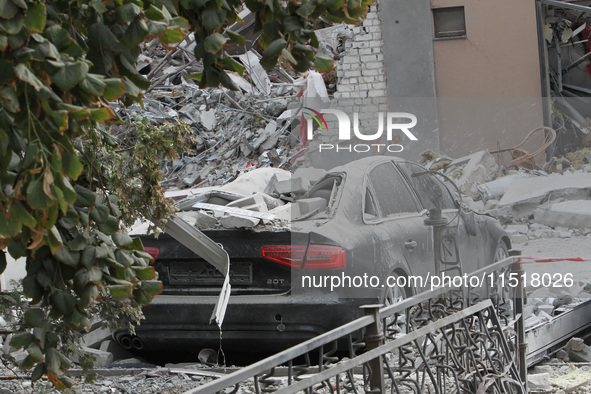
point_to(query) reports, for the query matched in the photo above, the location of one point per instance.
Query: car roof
(361, 165)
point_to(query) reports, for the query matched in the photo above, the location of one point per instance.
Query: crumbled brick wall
(361, 89)
(361, 73)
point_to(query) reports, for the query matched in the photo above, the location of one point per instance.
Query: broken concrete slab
(540, 381)
(257, 73)
(267, 133)
(117, 351)
(313, 175)
(255, 181)
(272, 202)
(578, 351)
(218, 197)
(497, 188)
(233, 211)
(471, 171)
(207, 119)
(189, 217)
(570, 214)
(308, 205)
(235, 221)
(294, 185)
(526, 195)
(205, 221)
(286, 212)
(102, 359)
(256, 202)
(517, 229)
(249, 182)
(94, 338)
(519, 238)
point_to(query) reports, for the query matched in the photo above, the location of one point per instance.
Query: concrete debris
(256, 202)
(517, 229)
(471, 171)
(205, 220)
(286, 212)
(294, 185)
(102, 359)
(520, 201)
(497, 188)
(259, 76)
(208, 120)
(539, 381)
(208, 356)
(308, 205)
(313, 175)
(236, 221)
(94, 338)
(572, 214)
(117, 351)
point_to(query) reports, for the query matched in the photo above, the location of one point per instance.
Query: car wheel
(502, 295)
(390, 296)
(501, 252)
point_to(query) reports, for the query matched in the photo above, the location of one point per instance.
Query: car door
(433, 193)
(404, 242)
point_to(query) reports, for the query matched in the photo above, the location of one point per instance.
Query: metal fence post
(519, 300)
(374, 337)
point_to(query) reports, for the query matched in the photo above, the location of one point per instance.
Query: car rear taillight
(312, 257)
(292, 256)
(152, 252)
(321, 256)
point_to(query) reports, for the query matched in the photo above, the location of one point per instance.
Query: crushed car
(370, 218)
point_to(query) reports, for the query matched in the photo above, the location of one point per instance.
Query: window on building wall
(450, 22)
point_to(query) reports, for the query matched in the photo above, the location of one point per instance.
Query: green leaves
(8, 9)
(34, 317)
(235, 37)
(60, 65)
(71, 75)
(323, 63)
(135, 33)
(275, 48)
(24, 74)
(36, 19)
(21, 340)
(121, 292)
(21, 214)
(214, 43)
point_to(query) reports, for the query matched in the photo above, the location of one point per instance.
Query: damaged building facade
(477, 75)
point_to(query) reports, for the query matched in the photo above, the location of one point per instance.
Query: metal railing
(448, 340)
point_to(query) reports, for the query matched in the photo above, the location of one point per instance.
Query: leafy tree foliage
(61, 172)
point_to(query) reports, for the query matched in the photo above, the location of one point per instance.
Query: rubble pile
(254, 126)
(568, 371)
(550, 203)
(264, 197)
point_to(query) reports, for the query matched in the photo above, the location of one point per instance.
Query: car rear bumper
(277, 322)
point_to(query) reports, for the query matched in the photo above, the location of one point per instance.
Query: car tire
(391, 296)
(502, 296)
(501, 252)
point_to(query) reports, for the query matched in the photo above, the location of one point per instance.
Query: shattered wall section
(361, 73)
(361, 89)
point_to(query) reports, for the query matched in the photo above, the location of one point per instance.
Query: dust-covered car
(369, 238)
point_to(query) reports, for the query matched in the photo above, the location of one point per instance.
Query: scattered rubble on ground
(568, 371)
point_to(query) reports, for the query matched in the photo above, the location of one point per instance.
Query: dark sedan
(372, 235)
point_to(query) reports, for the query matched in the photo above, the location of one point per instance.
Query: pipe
(137, 343)
(125, 342)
